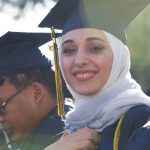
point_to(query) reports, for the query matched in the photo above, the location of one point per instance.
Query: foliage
(139, 44)
(21, 5)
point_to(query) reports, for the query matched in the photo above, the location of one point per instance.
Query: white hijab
(119, 94)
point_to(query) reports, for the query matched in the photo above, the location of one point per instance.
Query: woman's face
(86, 60)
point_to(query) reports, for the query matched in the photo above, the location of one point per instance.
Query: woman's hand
(84, 138)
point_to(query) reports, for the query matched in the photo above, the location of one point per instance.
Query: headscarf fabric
(120, 93)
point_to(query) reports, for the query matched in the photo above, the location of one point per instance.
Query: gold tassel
(117, 134)
(59, 93)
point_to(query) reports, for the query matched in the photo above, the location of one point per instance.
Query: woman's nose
(81, 59)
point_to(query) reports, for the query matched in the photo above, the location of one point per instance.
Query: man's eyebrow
(95, 38)
(67, 41)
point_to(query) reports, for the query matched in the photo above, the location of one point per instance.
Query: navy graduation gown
(134, 131)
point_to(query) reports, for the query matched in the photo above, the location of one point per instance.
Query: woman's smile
(84, 75)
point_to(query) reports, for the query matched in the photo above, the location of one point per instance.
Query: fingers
(89, 134)
(86, 145)
(84, 138)
(90, 138)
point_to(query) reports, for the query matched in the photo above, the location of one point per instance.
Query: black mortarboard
(110, 15)
(19, 51)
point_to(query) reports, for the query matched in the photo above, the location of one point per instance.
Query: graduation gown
(134, 131)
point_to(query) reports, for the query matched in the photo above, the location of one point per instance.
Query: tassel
(59, 93)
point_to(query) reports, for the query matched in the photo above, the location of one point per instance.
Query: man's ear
(38, 91)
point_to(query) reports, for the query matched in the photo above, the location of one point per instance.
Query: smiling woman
(95, 63)
(89, 60)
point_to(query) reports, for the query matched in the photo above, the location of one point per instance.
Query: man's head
(29, 97)
(27, 85)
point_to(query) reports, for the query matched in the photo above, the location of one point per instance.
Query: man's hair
(43, 75)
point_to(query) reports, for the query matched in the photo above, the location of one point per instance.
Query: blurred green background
(138, 41)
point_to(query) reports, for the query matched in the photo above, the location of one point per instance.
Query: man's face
(18, 114)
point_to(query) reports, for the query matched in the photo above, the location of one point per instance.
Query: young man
(28, 110)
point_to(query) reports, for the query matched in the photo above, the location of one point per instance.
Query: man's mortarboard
(112, 16)
(19, 51)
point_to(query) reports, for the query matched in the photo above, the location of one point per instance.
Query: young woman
(95, 63)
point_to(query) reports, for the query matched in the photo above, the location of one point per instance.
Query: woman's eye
(96, 48)
(68, 51)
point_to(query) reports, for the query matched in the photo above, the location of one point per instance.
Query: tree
(139, 45)
(20, 5)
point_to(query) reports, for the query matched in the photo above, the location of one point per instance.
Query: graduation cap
(112, 16)
(19, 52)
